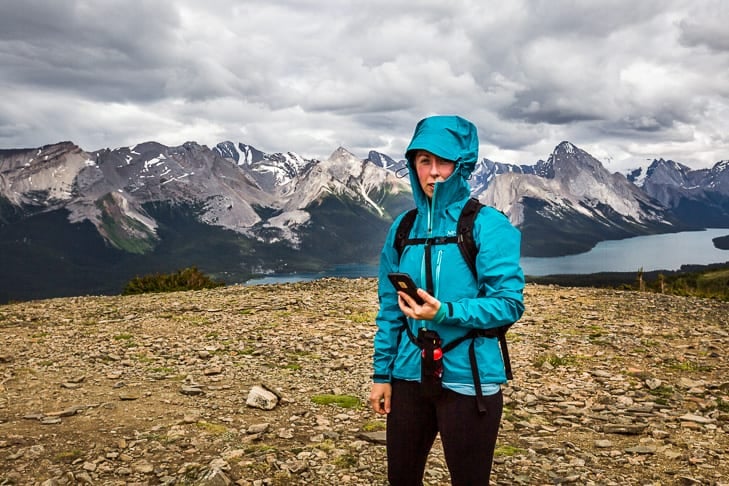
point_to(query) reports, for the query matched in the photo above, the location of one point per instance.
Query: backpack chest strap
(428, 244)
(439, 240)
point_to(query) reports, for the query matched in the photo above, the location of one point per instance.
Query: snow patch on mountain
(273, 170)
(288, 224)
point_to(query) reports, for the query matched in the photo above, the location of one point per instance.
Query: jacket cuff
(381, 378)
(441, 314)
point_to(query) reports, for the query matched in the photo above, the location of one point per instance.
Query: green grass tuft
(344, 401)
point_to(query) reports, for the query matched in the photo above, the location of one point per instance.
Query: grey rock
(378, 437)
(259, 397)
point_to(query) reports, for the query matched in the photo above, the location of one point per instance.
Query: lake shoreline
(614, 260)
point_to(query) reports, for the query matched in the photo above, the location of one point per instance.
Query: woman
(441, 157)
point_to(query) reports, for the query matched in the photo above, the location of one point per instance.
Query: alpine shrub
(186, 279)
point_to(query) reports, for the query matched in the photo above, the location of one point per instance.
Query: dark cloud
(107, 51)
(707, 27)
(554, 108)
(310, 75)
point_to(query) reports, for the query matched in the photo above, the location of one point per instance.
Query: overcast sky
(626, 80)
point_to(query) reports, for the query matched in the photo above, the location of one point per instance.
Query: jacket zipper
(438, 261)
(427, 255)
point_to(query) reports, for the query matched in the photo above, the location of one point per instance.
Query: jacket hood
(449, 137)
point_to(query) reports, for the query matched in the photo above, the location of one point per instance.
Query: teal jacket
(494, 300)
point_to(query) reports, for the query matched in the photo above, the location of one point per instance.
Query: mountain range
(76, 222)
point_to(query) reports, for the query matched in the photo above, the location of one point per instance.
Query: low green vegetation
(344, 401)
(215, 429)
(374, 426)
(508, 451)
(186, 279)
(69, 456)
(706, 281)
(345, 461)
(554, 360)
(686, 365)
(712, 284)
(363, 317)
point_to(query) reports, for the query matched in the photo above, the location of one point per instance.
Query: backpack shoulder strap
(466, 242)
(469, 250)
(403, 230)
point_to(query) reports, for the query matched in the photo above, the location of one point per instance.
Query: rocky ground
(611, 388)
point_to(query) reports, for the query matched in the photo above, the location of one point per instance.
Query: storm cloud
(625, 80)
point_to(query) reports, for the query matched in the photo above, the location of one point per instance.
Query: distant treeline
(711, 281)
(721, 242)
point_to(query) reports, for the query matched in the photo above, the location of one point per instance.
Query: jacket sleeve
(389, 317)
(500, 298)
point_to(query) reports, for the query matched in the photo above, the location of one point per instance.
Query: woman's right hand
(380, 395)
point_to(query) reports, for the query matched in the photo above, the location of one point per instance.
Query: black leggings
(468, 437)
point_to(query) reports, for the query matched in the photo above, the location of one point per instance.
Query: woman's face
(431, 169)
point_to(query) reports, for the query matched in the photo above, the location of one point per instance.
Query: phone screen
(403, 282)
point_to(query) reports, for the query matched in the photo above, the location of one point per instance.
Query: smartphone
(403, 282)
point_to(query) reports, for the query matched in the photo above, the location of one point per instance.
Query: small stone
(259, 397)
(653, 383)
(84, 478)
(696, 418)
(378, 437)
(626, 429)
(143, 466)
(641, 449)
(213, 370)
(258, 428)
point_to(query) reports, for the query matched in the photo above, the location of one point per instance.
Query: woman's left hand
(410, 308)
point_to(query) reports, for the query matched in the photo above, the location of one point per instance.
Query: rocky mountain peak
(42, 176)
(566, 147)
(343, 155)
(385, 161)
(295, 202)
(721, 166)
(572, 186)
(567, 160)
(663, 171)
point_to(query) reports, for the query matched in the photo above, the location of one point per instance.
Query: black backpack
(469, 250)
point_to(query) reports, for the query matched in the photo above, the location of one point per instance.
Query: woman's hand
(380, 395)
(410, 308)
